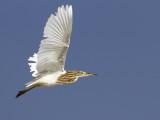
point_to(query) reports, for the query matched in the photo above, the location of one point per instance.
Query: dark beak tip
(95, 74)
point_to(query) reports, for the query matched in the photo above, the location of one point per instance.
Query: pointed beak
(89, 74)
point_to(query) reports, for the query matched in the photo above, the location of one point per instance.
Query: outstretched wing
(53, 49)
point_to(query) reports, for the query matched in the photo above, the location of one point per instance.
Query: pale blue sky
(117, 39)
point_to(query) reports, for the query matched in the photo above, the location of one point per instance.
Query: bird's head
(84, 74)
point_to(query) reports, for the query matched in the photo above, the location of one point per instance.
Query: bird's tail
(31, 83)
(24, 91)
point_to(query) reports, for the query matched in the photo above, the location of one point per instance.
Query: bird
(48, 63)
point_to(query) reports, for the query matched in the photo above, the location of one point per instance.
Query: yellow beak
(89, 74)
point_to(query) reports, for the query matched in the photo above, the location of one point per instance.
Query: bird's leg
(24, 91)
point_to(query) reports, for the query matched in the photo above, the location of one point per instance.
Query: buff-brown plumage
(68, 78)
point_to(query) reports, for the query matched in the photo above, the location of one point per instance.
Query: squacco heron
(48, 64)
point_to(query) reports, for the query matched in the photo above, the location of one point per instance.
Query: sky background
(117, 39)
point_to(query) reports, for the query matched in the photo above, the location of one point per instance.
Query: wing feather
(53, 49)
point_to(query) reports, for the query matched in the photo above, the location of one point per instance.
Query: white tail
(31, 83)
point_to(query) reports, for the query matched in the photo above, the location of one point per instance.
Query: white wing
(53, 49)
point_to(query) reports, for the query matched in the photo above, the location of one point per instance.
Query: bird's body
(47, 80)
(48, 64)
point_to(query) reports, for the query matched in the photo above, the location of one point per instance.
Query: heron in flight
(48, 64)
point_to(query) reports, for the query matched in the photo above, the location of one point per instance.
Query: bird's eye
(84, 72)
